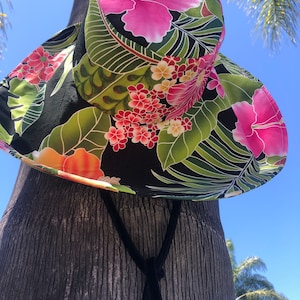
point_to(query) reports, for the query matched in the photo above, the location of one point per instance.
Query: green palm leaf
(25, 102)
(116, 54)
(191, 36)
(250, 264)
(248, 283)
(4, 23)
(62, 40)
(35, 110)
(272, 18)
(261, 295)
(212, 174)
(255, 282)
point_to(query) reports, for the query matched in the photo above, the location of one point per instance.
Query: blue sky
(264, 222)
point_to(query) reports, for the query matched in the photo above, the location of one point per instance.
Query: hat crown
(185, 29)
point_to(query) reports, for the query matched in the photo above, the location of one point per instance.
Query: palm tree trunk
(57, 241)
(78, 10)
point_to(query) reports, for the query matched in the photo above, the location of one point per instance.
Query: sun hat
(138, 99)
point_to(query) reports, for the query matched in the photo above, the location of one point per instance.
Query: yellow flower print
(162, 125)
(162, 70)
(189, 74)
(164, 86)
(175, 128)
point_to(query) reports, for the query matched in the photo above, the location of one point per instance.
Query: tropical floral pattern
(137, 11)
(39, 66)
(161, 112)
(79, 163)
(260, 126)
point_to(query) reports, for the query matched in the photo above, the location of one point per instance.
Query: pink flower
(215, 83)
(142, 135)
(187, 124)
(151, 118)
(4, 146)
(38, 66)
(172, 60)
(39, 59)
(179, 71)
(138, 100)
(117, 138)
(153, 106)
(147, 18)
(138, 89)
(153, 139)
(115, 135)
(184, 95)
(157, 94)
(33, 78)
(43, 75)
(260, 126)
(119, 146)
(20, 71)
(126, 119)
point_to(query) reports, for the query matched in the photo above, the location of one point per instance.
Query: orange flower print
(81, 162)
(84, 164)
(50, 158)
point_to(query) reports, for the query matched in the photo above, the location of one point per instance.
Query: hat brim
(233, 139)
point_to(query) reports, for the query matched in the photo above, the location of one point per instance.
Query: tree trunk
(57, 241)
(78, 10)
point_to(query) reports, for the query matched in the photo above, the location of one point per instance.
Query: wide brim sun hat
(138, 99)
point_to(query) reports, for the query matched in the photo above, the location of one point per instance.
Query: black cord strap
(152, 267)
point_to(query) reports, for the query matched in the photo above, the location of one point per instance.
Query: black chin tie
(153, 266)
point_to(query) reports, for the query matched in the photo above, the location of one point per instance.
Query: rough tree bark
(57, 241)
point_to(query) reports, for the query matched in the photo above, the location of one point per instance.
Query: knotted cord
(153, 266)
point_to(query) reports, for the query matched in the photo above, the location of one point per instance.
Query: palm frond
(4, 23)
(261, 295)
(248, 283)
(230, 248)
(250, 265)
(254, 282)
(3, 16)
(273, 18)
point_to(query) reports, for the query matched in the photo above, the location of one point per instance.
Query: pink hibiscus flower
(147, 18)
(260, 126)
